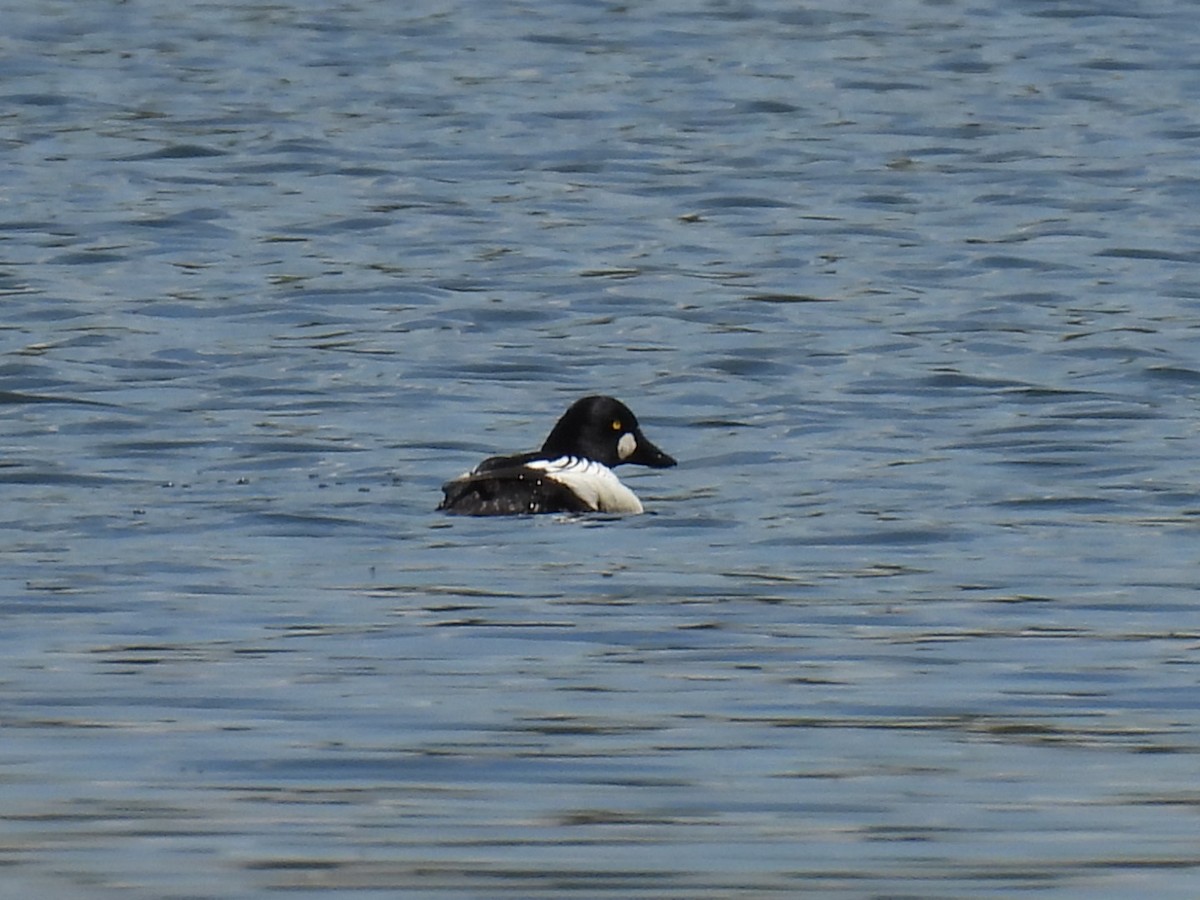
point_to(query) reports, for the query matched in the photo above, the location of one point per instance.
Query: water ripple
(906, 289)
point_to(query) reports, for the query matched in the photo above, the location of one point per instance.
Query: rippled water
(911, 291)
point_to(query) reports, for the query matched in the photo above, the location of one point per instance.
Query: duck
(571, 473)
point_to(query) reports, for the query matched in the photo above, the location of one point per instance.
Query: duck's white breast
(594, 483)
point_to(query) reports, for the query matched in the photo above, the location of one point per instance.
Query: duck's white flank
(594, 483)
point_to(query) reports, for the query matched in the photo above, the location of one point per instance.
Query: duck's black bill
(647, 454)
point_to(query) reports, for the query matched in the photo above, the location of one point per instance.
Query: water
(911, 292)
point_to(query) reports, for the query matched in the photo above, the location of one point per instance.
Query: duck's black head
(603, 429)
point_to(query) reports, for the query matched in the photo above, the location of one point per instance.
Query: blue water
(911, 290)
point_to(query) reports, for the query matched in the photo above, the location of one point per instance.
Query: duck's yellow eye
(616, 424)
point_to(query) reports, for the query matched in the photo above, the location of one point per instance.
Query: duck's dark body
(508, 491)
(571, 473)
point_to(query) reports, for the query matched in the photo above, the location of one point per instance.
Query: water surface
(911, 292)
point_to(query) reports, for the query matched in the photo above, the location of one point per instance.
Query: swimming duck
(572, 472)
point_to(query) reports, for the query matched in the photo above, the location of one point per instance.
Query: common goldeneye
(571, 473)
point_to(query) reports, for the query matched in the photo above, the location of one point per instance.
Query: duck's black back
(508, 492)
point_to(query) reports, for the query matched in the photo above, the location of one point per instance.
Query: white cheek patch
(626, 445)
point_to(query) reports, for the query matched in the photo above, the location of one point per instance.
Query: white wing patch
(594, 483)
